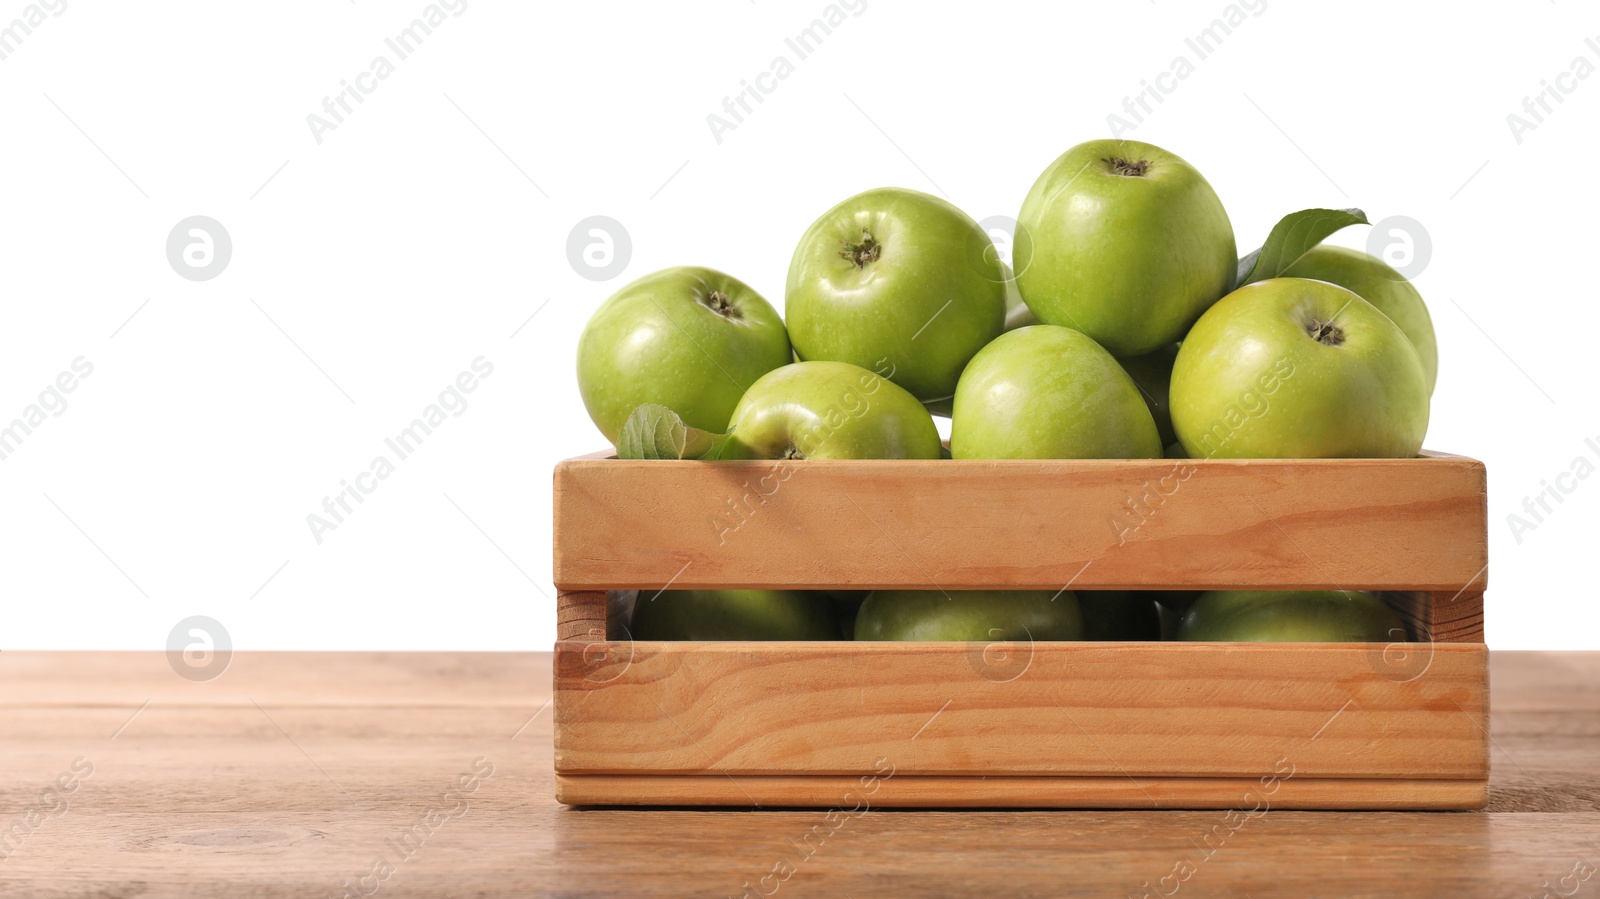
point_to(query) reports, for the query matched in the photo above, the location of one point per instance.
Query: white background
(426, 229)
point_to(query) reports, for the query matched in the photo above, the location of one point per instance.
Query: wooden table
(301, 774)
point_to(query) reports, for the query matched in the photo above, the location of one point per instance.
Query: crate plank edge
(1167, 725)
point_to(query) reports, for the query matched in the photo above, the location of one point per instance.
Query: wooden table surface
(303, 774)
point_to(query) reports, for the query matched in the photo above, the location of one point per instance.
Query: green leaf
(1294, 235)
(655, 432)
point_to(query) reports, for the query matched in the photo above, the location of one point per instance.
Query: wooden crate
(1104, 725)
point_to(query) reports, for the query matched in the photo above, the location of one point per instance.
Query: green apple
(898, 282)
(691, 339)
(1294, 369)
(1126, 243)
(1119, 615)
(1152, 373)
(1045, 392)
(1374, 281)
(1291, 616)
(734, 615)
(969, 615)
(830, 410)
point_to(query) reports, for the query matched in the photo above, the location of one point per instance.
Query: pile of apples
(1130, 329)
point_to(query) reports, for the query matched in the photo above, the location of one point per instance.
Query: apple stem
(861, 253)
(793, 453)
(1128, 169)
(721, 304)
(1326, 333)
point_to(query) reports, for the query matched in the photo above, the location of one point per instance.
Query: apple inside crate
(1102, 725)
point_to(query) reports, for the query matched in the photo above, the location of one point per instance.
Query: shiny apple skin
(660, 340)
(1291, 616)
(1045, 392)
(932, 297)
(830, 410)
(1375, 281)
(1131, 260)
(1252, 381)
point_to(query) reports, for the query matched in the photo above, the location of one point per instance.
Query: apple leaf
(655, 432)
(1294, 235)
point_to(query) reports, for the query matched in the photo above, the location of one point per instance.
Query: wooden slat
(1454, 616)
(1457, 616)
(1106, 709)
(1391, 524)
(581, 615)
(913, 791)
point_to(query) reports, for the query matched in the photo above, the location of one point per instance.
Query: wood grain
(1072, 709)
(923, 791)
(1413, 528)
(1443, 616)
(194, 798)
(1456, 617)
(1392, 524)
(581, 615)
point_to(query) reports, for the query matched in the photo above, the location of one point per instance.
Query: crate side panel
(1411, 524)
(1109, 709)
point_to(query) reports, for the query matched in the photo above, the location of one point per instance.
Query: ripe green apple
(969, 615)
(1294, 369)
(1127, 243)
(692, 339)
(734, 615)
(830, 410)
(1119, 615)
(1291, 616)
(1152, 374)
(1045, 392)
(899, 282)
(1376, 282)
